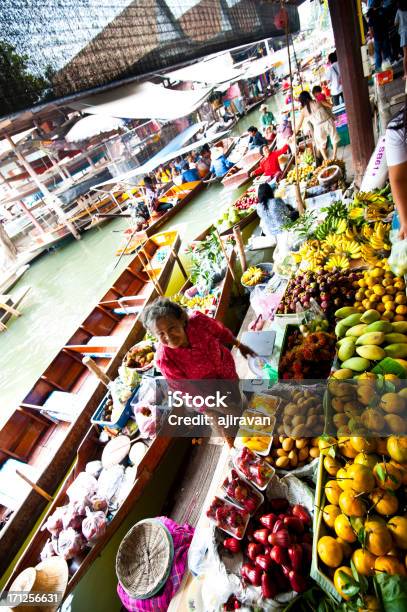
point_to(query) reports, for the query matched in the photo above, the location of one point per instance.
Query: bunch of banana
(353, 234)
(340, 262)
(379, 238)
(377, 212)
(333, 162)
(366, 198)
(367, 231)
(357, 214)
(333, 241)
(253, 276)
(303, 173)
(331, 224)
(350, 248)
(197, 302)
(368, 254)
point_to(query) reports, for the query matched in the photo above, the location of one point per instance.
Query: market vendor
(190, 174)
(256, 140)
(274, 213)
(152, 195)
(195, 347)
(319, 115)
(267, 117)
(269, 134)
(269, 165)
(396, 156)
(220, 163)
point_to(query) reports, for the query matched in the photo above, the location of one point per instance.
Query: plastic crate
(123, 418)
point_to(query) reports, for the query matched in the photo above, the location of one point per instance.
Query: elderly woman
(191, 347)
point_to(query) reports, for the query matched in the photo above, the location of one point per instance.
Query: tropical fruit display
(380, 289)
(305, 172)
(253, 276)
(361, 524)
(307, 357)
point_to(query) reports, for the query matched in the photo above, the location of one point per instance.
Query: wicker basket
(144, 559)
(49, 576)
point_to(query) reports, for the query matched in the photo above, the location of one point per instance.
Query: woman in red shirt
(269, 165)
(194, 347)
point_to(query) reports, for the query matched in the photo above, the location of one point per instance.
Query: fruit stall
(311, 510)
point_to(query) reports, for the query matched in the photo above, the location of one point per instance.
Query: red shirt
(320, 97)
(207, 356)
(270, 166)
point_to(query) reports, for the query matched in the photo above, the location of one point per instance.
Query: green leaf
(392, 592)
(354, 570)
(332, 452)
(381, 473)
(389, 387)
(350, 586)
(361, 535)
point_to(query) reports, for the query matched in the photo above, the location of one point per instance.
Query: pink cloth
(207, 356)
(181, 537)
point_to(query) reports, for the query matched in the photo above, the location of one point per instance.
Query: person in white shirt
(334, 78)
(401, 22)
(396, 157)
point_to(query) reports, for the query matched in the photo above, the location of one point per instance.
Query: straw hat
(144, 559)
(263, 107)
(49, 576)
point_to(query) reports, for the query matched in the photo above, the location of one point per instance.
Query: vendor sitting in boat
(256, 139)
(192, 346)
(220, 164)
(190, 174)
(269, 165)
(151, 192)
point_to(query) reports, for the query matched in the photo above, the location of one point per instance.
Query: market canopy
(93, 125)
(171, 151)
(214, 71)
(143, 101)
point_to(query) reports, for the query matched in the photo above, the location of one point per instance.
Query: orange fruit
(351, 505)
(378, 538)
(384, 502)
(330, 551)
(342, 479)
(329, 514)
(331, 465)
(332, 491)
(364, 561)
(340, 580)
(389, 565)
(398, 529)
(362, 478)
(343, 529)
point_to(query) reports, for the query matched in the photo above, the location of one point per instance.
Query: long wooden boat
(182, 194)
(10, 303)
(240, 173)
(90, 449)
(30, 435)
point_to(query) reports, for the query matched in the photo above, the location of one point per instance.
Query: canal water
(66, 283)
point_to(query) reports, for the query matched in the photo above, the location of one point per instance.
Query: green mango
(395, 338)
(371, 351)
(345, 311)
(357, 330)
(380, 326)
(340, 329)
(357, 364)
(371, 338)
(346, 350)
(343, 374)
(399, 327)
(352, 319)
(370, 316)
(397, 351)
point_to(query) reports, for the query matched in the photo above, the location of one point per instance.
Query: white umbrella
(92, 125)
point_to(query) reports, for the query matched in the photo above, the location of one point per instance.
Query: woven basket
(144, 559)
(49, 576)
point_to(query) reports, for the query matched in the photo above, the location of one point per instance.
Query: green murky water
(66, 283)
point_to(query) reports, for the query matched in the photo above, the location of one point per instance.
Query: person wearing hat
(219, 162)
(267, 117)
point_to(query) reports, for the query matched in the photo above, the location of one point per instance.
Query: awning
(143, 101)
(91, 126)
(215, 71)
(164, 156)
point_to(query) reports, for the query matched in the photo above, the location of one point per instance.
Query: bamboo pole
(99, 373)
(35, 487)
(240, 247)
(150, 274)
(231, 270)
(300, 203)
(179, 262)
(10, 309)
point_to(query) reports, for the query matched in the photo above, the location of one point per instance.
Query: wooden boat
(89, 450)
(182, 194)
(30, 435)
(12, 277)
(240, 173)
(9, 306)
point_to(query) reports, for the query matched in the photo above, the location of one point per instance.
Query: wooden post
(231, 270)
(178, 260)
(93, 367)
(35, 487)
(146, 263)
(345, 23)
(240, 247)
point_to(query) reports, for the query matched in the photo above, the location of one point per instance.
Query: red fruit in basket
(254, 576)
(286, 569)
(279, 504)
(268, 520)
(250, 505)
(240, 493)
(278, 555)
(301, 513)
(263, 561)
(245, 568)
(292, 523)
(281, 538)
(220, 514)
(232, 544)
(269, 589)
(306, 553)
(261, 535)
(279, 524)
(295, 556)
(298, 583)
(253, 549)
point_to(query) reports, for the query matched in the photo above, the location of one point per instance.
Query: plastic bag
(398, 258)
(48, 550)
(94, 468)
(264, 303)
(109, 481)
(74, 513)
(99, 504)
(129, 376)
(54, 522)
(94, 526)
(70, 543)
(83, 486)
(146, 417)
